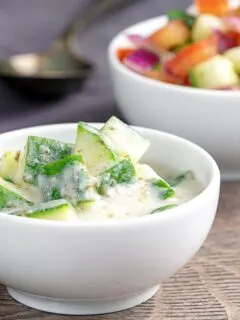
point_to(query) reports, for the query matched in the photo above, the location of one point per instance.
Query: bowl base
(75, 307)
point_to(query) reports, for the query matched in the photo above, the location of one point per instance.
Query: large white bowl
(99, 267)
(207, 117)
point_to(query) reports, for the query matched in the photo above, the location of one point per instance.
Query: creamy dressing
(139, 198)
(98, 178)
(123, 201)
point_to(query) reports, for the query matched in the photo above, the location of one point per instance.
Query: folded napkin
(31, 25)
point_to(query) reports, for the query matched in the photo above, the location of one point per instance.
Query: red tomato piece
(193, 54)
(164, 77)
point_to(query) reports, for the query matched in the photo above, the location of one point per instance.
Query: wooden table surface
(207, 288)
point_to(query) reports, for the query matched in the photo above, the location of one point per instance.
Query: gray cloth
(31, 25)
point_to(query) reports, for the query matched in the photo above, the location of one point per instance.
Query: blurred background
(31, 25)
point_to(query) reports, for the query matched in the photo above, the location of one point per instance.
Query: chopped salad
(201, 51)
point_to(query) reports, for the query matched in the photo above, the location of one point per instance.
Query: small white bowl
(101, 267)
(209, 118)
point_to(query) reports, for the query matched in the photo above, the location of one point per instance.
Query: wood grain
(208, 288)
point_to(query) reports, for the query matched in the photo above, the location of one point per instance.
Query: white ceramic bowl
(207, 117)
(108, 266)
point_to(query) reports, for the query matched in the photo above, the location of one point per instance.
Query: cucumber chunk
(52, 210)
(12, 196)
(128, 142)
(213, 73)
(234, 56)
(84, 205)
(37, 152)
(9, 165)
(97, 153)
(164, 188)
(145, 172)
(123, 172)
(163, 208)
(204, 26)
(66, 178)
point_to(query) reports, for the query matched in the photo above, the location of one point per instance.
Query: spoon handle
(94, 10)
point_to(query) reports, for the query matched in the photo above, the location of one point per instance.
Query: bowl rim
(112, 58)
(173, 213)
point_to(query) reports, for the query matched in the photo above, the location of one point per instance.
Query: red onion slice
(141, 60)
(143, 43)
(226, 40)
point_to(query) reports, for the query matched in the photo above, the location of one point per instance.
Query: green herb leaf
(163, 208)
(177, 14)
(183, 176)
(57, 167)
(123, 172)
(166, 191)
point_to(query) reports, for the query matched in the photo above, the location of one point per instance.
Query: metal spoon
(60, 69)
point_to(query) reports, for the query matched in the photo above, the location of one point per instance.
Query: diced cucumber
(9, 165)
(84, 205)
(174, 181)
(127, 141)
(215, 72)
(234, 56)
(204, 26)
(123, 172)
(39, 151)
(12, 196)
(52, 210)
(164, 189)
(177, 14)
(66, 178)
(163, 208)
(97, 153)
(145, 172)
(32, 191)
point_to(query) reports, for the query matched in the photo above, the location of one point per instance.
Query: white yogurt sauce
(139, 198)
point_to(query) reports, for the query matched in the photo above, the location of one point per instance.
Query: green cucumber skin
(51, 213)
(192, 79)
(84, 204)
(40, 151)
(123, 172)
(9, 199)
